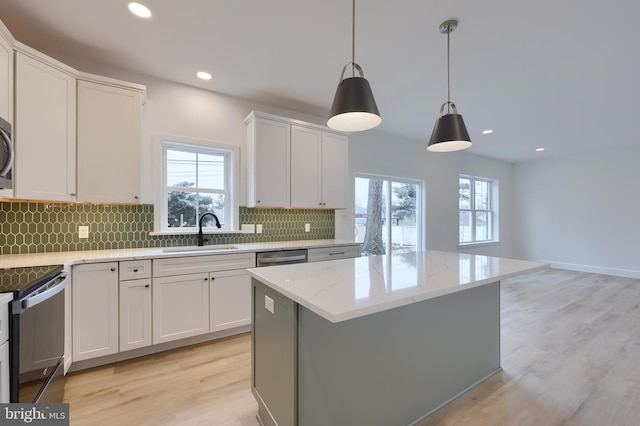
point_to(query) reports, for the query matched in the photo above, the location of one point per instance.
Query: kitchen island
(381, 340)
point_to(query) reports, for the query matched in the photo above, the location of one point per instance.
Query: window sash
(468, 232)
(199, 150)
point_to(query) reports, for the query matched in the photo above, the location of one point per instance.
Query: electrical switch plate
(268, 304)
(259, 228)
(248, 228)
(307, 227)
(83, 232)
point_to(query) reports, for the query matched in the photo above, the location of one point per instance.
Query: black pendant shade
(449, 134)
(354, 108)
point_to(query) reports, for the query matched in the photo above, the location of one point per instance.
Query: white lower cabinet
(180, 307)
(95, 310)
(333, 253)
(135, 314)
(200, 294)
(4, 373)
(230, 299)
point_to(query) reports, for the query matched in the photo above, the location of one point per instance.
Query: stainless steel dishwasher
(281, 257)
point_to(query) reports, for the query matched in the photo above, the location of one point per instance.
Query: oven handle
(53, 287)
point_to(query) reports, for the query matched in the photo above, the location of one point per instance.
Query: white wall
(580, 212)
(380, 153)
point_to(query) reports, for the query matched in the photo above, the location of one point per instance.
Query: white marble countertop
(94, 256)
(340, 290)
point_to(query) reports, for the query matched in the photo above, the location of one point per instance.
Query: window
(196, 178)
(388, 214)
(476, 200)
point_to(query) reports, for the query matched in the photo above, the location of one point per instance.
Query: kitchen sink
(198, 248)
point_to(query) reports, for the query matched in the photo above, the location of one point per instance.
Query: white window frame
(231, 181)
(492, 212)
(420, 206)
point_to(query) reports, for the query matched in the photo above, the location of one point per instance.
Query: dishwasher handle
(50, 289)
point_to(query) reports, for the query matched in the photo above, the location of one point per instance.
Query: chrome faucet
(201, 238)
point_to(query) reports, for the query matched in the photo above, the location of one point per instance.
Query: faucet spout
(201, 238)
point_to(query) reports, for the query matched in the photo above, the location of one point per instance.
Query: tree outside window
(196, 182)
(387, 215)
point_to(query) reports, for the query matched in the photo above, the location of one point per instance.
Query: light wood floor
(570, 356)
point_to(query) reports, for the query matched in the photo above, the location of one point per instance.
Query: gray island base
(387, 368)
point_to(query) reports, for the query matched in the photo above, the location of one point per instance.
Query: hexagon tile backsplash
(38, 227)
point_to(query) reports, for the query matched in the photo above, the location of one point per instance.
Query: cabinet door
(135, 314)
(305, 167)
(4, 373)
(109, 121)
(230, 293)
(269, 163)
(6, 80)
(95, 310)
(335, 163)
(180, 307)
(45, 131)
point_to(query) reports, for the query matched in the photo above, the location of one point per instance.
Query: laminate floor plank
(570, 347)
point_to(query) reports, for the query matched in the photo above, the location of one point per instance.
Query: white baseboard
(628, 273)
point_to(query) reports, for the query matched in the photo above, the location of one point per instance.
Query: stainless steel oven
(36, 337)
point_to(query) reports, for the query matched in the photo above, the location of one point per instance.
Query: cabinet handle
(113, 269)
(146, 286)
(258, 202)
(206, 279)
(213, 278)
(136, 197)
(135, 270)
(73, 194)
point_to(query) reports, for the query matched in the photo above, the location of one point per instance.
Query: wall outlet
(259, 228)
(268, 304)
(83, 232)
(307, 227)
(248, 228)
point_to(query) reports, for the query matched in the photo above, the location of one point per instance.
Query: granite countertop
(341, 290)
(94, 256)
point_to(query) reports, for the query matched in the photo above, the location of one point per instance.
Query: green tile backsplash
(36, 227)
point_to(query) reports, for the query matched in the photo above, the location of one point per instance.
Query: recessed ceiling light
(487, 132)
(140, 10)
(204, 75)
(539, 149)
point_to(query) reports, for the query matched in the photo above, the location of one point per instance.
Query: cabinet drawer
(198, 264)
(135, 269)
(5, 299)
(333, 253)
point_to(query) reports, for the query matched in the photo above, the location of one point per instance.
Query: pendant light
(354, 108)
(449, 133)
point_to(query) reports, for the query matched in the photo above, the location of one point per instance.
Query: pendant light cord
(448, 70)
(353, 38)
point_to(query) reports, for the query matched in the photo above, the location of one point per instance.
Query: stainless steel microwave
(6, 155)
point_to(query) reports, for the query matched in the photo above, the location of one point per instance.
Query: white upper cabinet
(319, 162)
(295, 164)
(44, 131)
(269, 176)
(306, 177)
(6, 78)
(334, 170)
(109, 136)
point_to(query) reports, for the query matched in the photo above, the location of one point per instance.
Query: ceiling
(562, 75)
